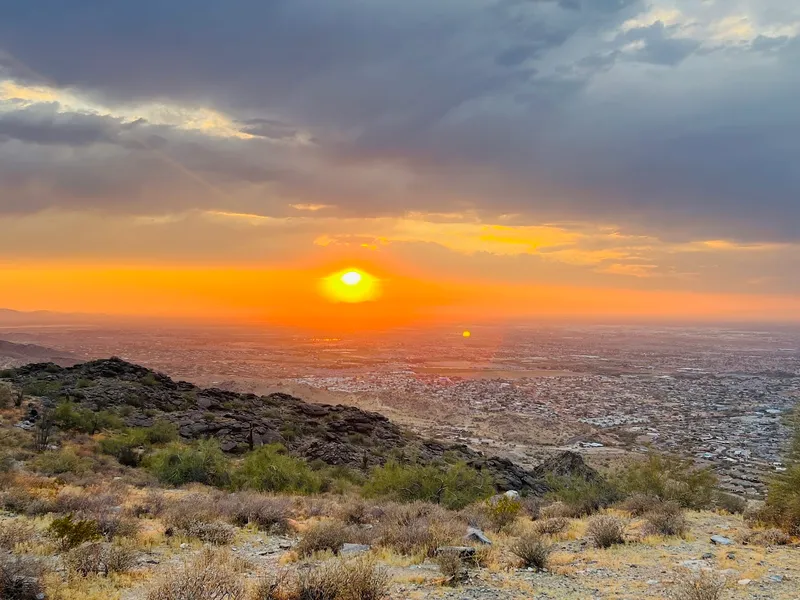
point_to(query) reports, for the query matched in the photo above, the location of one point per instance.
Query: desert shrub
(355, 512)
(68, 416)
(669, 478)
(6, 396)
(605, 531)
(453, 486)
(113, 525)
(152, 505)
(100, 558)
(15, 531)
(20, 578)
(666, 519)
(198, 516)
(551, 526)
(357, 579)
(734, 505)
(363, 581)
(211, 576)
(639, 504)
(21, 501)
(58, 462)
(700, 586)
(532, 506)
(502, 511)
(42, 389)
(201, 462)
(270, 469)
(765, 537)
(70, 533)
(418, 528)
(450, 564)
(91, 500)
(278, 585)
(581, 496)
(532, 550)
(216, 533)
(267, 513)
(783, 500)
(161, 432)
(326, 535)
(127, 447)
(557, 510)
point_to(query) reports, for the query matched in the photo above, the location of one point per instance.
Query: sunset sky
(478, 158)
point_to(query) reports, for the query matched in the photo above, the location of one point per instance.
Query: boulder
(476, 535)
(720, 540)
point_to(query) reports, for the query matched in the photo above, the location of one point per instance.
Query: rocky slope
(336, 435)
(13, 354)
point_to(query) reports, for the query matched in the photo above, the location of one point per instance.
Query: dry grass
(267, 513)
(451, 565)
(213, 575)
(764, 537)
(605, 531)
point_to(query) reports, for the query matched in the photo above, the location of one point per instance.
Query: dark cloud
(539, 108)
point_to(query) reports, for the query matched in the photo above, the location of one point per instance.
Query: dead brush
(355, 512)
(452, 566)
(269, 514)
(701, 586)
(667, 519)
(639, 504)
(213, 575)
(605, 531)
(765, 537)
(14, 532)
(326, 535)
(100, 558)
(533, 550)
(21, 578)
(552, 526)
(418, 528)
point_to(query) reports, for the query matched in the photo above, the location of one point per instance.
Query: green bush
(125, 447)
(42, 388)
(783, 494)
(669, 478)
(201, 462)
(5, 395)
(69, 417)
(270, 469)
(58, 462)
(581, 496)
(502, 511)
(128, 446)
(453, 486)
(161, 432)
(71, 533)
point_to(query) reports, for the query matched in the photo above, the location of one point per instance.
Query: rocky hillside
(336, 435)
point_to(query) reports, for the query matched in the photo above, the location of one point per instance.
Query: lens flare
(351, 285)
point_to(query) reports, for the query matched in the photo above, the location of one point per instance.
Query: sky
(477, 157)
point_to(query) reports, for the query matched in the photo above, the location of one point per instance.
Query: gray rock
(354, 549)
(720, 540)
(707, 556)
(776, 578)
(476, 535)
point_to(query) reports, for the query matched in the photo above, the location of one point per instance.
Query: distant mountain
(14, 355)
(336, 435)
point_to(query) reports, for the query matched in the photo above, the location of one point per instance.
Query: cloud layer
(671, 121)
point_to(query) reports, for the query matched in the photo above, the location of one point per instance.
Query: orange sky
(292, 297)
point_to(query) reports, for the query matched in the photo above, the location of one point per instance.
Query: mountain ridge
(337, 435)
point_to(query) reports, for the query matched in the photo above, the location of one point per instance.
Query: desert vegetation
(106, 510)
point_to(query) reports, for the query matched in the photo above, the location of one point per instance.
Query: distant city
(716, 395)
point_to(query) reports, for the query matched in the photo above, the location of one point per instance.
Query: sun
(351, 286)
(351, 278)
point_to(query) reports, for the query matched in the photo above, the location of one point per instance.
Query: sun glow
(351, 285)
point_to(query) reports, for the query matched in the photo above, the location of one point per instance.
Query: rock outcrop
(335, 435)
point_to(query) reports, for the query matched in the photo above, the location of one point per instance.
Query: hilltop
(335, 435)
(13, 354)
